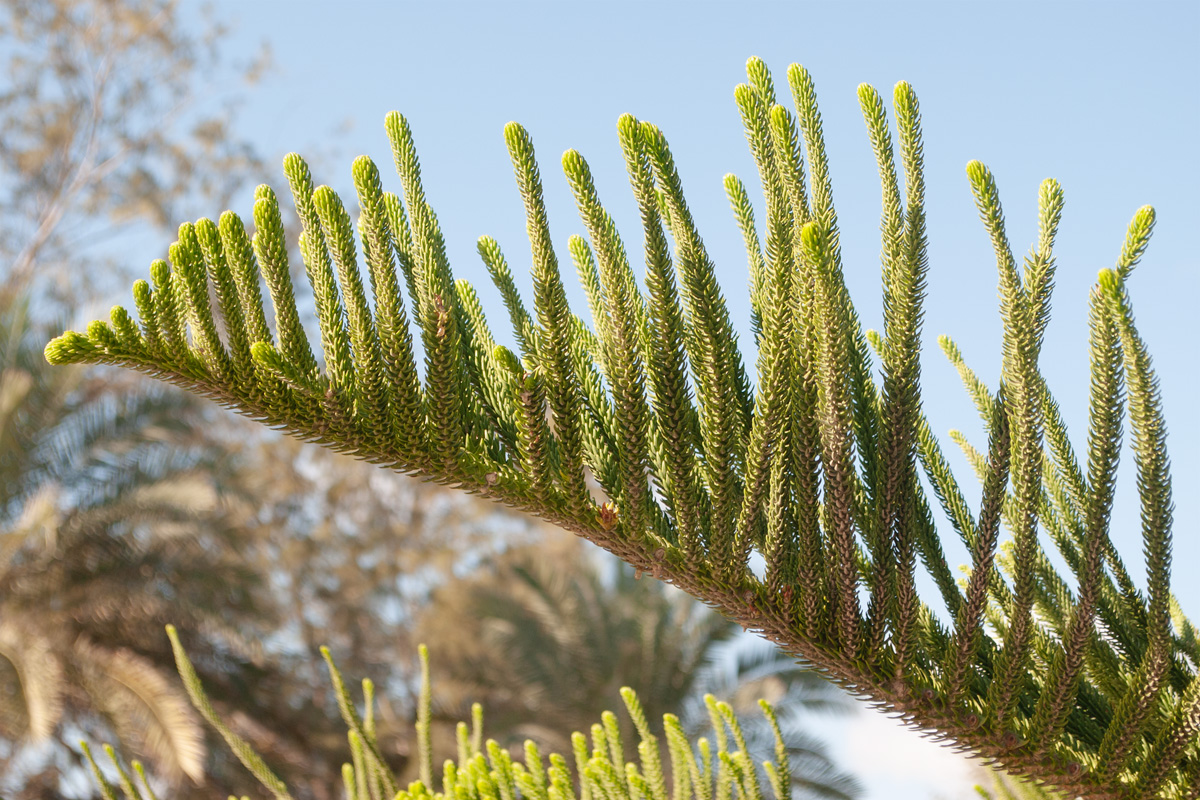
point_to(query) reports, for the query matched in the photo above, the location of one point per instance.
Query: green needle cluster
(641, 432)
(598, 769)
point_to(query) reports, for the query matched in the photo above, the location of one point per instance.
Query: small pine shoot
(483, 769)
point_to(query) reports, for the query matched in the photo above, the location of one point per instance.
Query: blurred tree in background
(115, 518)
(354, 555)
(103, 129)
(118, 515)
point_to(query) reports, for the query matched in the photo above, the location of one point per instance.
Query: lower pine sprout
(596, 770)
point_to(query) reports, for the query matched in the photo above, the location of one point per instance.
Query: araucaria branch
(1079, 680)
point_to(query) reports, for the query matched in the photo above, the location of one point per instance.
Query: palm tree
(547, 635)
(114, 520)
(119, 514)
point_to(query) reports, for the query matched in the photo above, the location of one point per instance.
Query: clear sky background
(1101, 96)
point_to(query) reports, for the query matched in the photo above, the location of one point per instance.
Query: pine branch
(1074, 678)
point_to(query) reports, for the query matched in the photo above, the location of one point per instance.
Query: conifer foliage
(1080, 680)
(705, 770)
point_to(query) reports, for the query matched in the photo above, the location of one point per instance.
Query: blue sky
(1101, 96)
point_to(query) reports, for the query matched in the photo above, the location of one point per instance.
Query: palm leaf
(147, 710)
(36, 706)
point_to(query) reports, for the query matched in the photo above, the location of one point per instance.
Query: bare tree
(105, 126)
